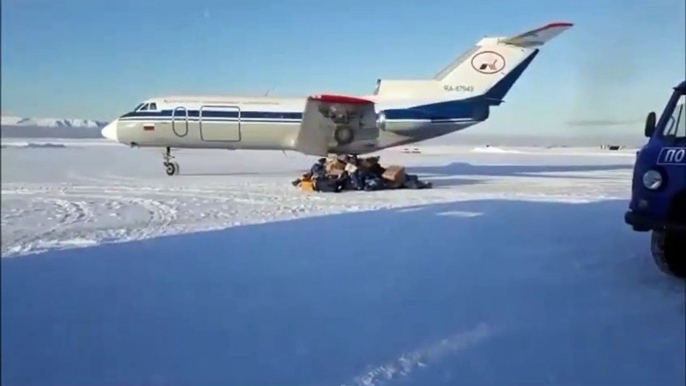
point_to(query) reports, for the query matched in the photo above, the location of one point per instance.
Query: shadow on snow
(562, 293)
(467, 169)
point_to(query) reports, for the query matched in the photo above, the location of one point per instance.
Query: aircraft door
(220, 123)
(180, 121)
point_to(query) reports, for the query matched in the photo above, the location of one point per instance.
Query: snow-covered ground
(515, 269)
(58, 194)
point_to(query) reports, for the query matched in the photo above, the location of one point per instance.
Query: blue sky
(97, 59)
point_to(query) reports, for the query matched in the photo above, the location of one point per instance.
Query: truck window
(676, 126)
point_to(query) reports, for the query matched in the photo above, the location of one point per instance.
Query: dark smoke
(606, 72)
(611, 79)
(603, 122)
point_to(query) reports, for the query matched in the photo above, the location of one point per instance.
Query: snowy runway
(515, 269)
(88, 193)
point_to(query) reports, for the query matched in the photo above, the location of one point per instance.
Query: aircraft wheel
(344, 135)
(669, 252)
(171, 168)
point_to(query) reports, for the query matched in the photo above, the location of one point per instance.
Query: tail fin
(494, 64)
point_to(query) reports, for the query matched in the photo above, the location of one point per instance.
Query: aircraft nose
(110, 131)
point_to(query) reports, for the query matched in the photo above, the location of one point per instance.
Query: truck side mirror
(650, 124)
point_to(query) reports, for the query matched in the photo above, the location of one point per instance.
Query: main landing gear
(171, 168)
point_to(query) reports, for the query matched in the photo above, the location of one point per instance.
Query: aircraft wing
(334, 122)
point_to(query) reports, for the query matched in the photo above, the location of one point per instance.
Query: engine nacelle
(481, 113)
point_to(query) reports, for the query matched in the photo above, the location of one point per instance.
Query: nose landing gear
(171, 168)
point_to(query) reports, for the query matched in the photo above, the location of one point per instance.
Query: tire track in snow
(167, 211)
(69, 214)
(161, 216)
(75, 212)
(421, 357)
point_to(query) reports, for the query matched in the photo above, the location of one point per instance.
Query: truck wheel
(343, 135)
(669, 252)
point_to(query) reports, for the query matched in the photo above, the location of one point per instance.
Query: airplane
(399, 112)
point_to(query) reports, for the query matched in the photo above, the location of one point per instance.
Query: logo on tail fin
(488, 62)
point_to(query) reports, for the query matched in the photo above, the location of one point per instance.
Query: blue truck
(658, 192)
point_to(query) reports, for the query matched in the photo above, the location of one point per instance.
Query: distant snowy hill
(19, 127)
(53, 122)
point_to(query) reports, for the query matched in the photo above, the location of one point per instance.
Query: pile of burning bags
(352, 173)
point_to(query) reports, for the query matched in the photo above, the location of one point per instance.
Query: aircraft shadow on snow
(453, 174)
(288, 173)
(327, 299)
(464, 169)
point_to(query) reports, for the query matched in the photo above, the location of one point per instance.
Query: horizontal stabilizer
(537, 37)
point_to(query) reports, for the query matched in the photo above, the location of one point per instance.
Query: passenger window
(152, 106)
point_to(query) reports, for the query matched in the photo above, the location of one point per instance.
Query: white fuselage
(258, 123)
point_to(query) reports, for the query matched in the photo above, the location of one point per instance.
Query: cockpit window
(676, 125)
(150, 106)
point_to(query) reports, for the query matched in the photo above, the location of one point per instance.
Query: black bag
(326, 185)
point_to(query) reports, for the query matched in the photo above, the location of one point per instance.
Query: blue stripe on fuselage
(214, 114)
(456, 109)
